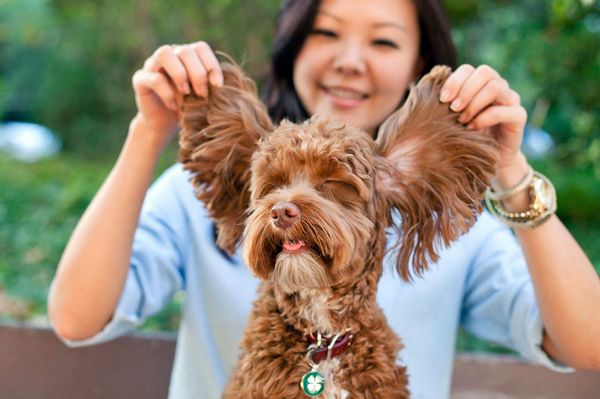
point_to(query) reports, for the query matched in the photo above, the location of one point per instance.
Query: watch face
(542, 195)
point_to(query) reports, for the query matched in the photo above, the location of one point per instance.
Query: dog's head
(311, 200)
(313, 209)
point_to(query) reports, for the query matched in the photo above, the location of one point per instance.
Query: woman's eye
(324, 32)
(386, 43)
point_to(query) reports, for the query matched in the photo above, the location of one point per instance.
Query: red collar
(328, 347)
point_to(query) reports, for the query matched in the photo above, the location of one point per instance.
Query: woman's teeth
(343, 93)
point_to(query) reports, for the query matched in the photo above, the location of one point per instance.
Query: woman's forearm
(568, 292)
(566, 285)
(93, 268)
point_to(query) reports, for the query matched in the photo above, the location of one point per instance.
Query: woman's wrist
(146, 137)
(509, 175)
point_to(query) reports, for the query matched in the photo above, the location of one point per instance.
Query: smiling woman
(358, 60)
(296, 26)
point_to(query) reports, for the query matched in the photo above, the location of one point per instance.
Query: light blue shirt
(481, 282)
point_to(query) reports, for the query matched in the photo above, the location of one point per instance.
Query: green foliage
(69, 63)
(549, 51)
(38, 212)
(26, 28)
(37, 215)
(578, 193)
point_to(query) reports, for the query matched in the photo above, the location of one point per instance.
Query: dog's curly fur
(424, 176)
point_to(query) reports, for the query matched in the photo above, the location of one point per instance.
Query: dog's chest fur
(330, 369)
(317, 309)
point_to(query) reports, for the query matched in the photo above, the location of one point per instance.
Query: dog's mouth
(294, 246)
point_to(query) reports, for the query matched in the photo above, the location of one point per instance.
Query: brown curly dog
(311, 203)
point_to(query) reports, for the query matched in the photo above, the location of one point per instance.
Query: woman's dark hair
(294, 23)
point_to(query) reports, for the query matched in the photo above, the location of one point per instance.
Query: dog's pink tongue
(293, 247)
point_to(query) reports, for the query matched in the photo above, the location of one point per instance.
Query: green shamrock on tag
(313, 384)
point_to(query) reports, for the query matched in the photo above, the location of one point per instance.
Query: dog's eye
(339, 188)
(270, 183)
(267, 189)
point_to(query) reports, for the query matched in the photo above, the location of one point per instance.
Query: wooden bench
(35, 365)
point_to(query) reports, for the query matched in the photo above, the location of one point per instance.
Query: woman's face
(359, 59)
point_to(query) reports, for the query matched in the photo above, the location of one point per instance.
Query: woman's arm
(93, 269)
(94, 265)
(567, 286)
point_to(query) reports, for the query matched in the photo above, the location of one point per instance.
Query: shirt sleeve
(159, 254)
(499, 302)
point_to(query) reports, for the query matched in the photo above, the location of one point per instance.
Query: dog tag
(313, 383)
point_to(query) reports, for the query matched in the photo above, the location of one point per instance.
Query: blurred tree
(69, 63)
(27, 27)
(549, 51)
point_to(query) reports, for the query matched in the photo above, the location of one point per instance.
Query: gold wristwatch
(542, 204)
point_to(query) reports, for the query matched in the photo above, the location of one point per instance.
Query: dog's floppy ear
(433, 172)
(218, 137)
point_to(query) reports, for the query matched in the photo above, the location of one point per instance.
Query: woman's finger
(146, 82)
(494, 92)
(210, 63)
(454, 83)
(472, 85)
(195, 70)
(513, 118)
(166, 60)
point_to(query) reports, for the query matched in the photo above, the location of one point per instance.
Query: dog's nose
(285, 214)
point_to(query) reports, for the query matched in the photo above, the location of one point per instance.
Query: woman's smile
(344, 96)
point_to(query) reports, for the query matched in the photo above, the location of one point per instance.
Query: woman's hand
(167, 75)
(485, 100)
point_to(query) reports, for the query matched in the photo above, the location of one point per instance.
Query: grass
(41, 203)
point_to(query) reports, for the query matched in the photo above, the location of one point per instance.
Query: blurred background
(66, 102)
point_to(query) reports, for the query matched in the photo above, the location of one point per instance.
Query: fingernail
(185, 88)
(455, 106)
(471, 126)
(217, 80)
(462, 118)
(444, 95)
